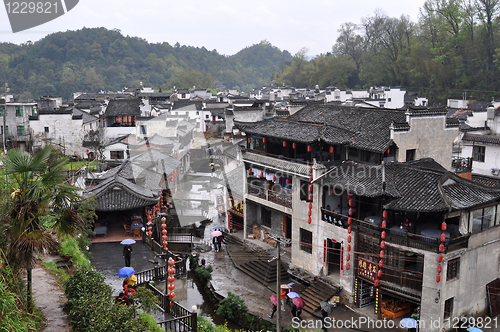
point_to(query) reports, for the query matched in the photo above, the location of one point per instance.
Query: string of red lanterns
(441, 250)
(149, 224)
(382, 246)
(171, 280)
(164, 232)
(349, 230)
(309, 220)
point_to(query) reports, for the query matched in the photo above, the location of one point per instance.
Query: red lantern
(380, 263)
(349, 239)
(310, 188)
(311, 179)
(150, 228)
(350, 202)
(287, 182)
(441, 248)
(164, 231)
(348, 247)
(349, 221)
(348, 257)
(150, 233)
(384, 214)
(310, 206)
(309, 220)
(274, 178)
(379, 273)
(171, 295)
(250, 171)
(382, 244)
(384, 224)
(310, 170)
(382, 235)
(439, 268)
(309, 213)
(164, 237)
(443, 237)
(350, 212)
(165, 243)
(348, 266)
(171, 262)
(163, 226)
(349, 196)
(438, 278)
(171, 304)
(331, 149)
(308, 148)
(171, 287)
(171, 279)
(149, 218)
(382, 254)
(349, 229)
(376, 283)
(294, 146)
(440, 258)
(264, 140)
(171, 270)
(284, 144)
(249, 140)
(443, 226)
(163, 219)
(310, 197)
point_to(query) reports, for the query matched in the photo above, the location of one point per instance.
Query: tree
(38, 189)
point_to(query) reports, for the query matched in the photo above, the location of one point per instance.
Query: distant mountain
(93, 59)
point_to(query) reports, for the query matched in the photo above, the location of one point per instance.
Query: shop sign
(236, 205)
(367, 269)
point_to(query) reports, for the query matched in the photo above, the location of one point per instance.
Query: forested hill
(93, 59)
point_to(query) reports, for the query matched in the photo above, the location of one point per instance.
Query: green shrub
(232, 307)
(204, 273)
(68, 246)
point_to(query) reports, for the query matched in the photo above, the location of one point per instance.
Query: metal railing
(282, 196)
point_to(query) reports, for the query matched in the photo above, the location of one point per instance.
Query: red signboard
(367, 269)
(235, 205)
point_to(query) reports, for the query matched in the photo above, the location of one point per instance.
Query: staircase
(264, 271)
(318, 291)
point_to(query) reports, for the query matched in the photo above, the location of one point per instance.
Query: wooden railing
(294, 160)
(405, 279)
(182, 319)
(281, 196)
(334, 218)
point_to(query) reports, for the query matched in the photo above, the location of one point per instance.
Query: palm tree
(38, 189)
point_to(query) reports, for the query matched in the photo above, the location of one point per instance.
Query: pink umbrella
(298, 302)
(216, 233)
(274, 299)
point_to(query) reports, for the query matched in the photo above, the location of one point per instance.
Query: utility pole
(279, 240)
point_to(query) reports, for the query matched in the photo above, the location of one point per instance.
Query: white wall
(64, 133)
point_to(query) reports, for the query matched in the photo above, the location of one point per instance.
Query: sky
(227, 26)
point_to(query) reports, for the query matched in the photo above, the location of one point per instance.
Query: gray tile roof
(487, 181)
(485, 139)
(235, 181)
(122, 107)
(86, 116)
(284, 165)
(118, 194)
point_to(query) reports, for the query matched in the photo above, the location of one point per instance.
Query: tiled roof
(87, 104)
(121, 107)
(231, 152)
(478, 106)
(486, 139)
(235, 181)
(86, 116)
(118, 194)
(198, 105)
(487, 181)
(284, 165)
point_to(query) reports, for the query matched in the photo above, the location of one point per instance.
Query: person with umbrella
(274, 301)
(215, 241)
(298, 303)
(127, 250)
(325, 310)
(284, 291)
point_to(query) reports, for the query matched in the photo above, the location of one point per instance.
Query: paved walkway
(49, 297)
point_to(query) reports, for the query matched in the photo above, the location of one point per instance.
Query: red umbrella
(298, 302)
(274, 299)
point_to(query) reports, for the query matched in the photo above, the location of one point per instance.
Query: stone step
(313, 295)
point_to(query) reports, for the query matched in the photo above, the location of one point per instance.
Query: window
(448, 308)
(6, 130)
(266, 217)
(207, 116)
(304, 191)
(306, 240)
(478, 153)
(453, 271)
(143, 130)
(116, 154)
(410, 154)
(20, 130)
(197, 113)
(2, 109)
(19, 111)
(126, 120)
(46, 129)
(389, 100)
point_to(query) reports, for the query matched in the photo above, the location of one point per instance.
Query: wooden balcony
(281, 196)
(334, 218)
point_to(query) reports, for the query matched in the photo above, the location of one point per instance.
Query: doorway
(333, 258)
(288, 227)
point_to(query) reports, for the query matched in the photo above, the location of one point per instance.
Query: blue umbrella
(474, 329)
(292, 295)
(291, 284)
(409, 323)
(125, 272)
(128, 241)
(216, 227)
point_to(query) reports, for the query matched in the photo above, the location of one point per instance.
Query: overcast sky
(227, 26)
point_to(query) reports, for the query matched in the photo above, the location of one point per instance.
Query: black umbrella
(326, 306)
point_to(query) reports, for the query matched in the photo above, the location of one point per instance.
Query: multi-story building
(14, 124)
(325, 178)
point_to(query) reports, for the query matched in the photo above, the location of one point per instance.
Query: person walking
(324, 315)
(294, 310)
(283, 297)
(215, 243)
(274, 310)
(127, 254)
(220, 240)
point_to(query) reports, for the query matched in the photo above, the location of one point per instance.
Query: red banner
(367, 269)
